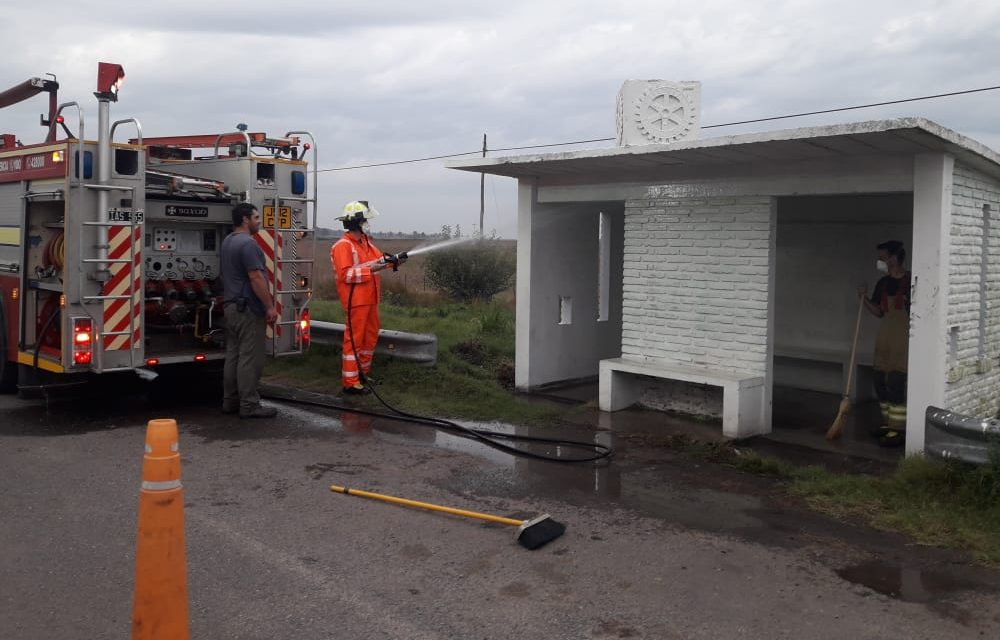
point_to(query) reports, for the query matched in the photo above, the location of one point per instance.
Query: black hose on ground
(486, 436)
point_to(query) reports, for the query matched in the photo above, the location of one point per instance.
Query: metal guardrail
(955, 436)
(415, 347)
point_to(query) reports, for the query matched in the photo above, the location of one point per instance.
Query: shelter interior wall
(825, 250)
(564, 264)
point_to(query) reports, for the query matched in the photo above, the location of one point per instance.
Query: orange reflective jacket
(352, 266)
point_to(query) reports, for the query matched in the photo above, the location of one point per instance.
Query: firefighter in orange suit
(356, 263)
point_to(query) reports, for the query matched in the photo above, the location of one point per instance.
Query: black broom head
(539, 531)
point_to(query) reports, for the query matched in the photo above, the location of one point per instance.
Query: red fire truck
(109, 249)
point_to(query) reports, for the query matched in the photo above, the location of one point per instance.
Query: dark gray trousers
(245, 335)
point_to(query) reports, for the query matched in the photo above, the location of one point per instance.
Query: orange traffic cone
(160, 607)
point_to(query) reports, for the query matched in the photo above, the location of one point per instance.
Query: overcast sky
(384, 81)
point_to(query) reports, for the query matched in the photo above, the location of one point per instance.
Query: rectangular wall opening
(565, 310)
(984, 270)
(603, 267)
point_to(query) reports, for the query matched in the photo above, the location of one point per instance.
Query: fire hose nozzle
(394, 260)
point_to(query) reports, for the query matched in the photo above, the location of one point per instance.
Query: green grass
(475, 360)
(937, 503)
(947, 504)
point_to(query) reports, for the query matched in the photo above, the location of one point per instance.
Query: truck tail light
(303, 328)
(83, 341)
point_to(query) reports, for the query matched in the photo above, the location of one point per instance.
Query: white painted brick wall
(696, 281)
(969, 392)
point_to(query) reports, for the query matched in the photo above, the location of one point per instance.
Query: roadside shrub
(477, 271)
(495, 320)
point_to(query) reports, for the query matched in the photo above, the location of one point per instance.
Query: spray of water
(444, 244)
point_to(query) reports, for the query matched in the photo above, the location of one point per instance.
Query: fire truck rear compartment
(45, 256)
(182, 288)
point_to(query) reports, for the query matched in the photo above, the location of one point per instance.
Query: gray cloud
(385, 81)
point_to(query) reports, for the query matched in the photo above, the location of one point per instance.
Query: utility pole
(482, 196)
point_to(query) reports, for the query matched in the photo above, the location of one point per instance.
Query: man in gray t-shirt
(241, 256)
(249, 308)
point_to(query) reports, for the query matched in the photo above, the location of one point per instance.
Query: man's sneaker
(230, 408)
(259, 411)
(356, 390)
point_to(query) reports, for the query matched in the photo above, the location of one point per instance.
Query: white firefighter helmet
(357, 211)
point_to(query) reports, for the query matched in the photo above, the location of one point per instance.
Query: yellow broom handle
(425, 505)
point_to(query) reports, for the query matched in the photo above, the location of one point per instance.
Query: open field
(410, 277)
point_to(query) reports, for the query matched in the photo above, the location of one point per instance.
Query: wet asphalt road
(656, 546)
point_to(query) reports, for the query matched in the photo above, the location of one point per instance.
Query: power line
(554, 144)
(860, 106)
(710, 126)
(385, 164)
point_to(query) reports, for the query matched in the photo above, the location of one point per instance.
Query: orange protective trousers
(359, 290)
(364, 324)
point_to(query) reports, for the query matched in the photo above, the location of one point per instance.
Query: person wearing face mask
(890, 301)
(356, 263)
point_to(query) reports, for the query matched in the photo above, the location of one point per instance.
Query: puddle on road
(911, 584)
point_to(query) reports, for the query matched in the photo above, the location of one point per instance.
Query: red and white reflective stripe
(266, 241)
(119, 315)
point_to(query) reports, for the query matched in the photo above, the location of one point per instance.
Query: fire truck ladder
(171, 183)
(298, 344)
(104, 263)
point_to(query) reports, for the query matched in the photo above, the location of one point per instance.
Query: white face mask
(882, 266)
(365, 227)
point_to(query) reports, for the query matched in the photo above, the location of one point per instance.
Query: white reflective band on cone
(161, 486)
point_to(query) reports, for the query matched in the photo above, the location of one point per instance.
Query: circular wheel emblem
(664, 113)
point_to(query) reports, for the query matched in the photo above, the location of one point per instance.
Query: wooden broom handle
(854, 346)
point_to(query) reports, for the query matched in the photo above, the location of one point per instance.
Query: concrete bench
(861, 389)
(743, 396)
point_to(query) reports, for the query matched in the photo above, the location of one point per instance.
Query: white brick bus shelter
(696, 275)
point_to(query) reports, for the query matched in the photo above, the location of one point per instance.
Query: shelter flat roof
(903, 136)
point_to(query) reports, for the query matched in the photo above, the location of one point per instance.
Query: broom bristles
(840, 421)
(539, 531)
